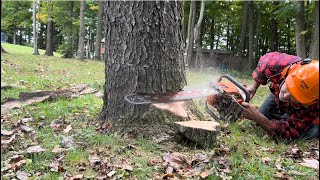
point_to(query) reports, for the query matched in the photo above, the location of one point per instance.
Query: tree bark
(80, 54)
(288, 36)
(35, 33)
(2, 50)
(197, 38)
(190, 39)
(50, 30)
(97, 53)
(145, 55)
(69, 50)
(251, 35)
(314, 48)
(300, 30)
(244, 29)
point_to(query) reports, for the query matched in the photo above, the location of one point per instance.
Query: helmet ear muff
(306, 61)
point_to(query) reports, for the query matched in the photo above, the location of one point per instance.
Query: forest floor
(63, 139)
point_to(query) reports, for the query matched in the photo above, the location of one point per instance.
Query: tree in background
(314, 48)
(97, 53)
(80, 53)
(69, 48)
(197, 35)
(300, 30)
(190, 33)
(35, 31)
(144, 54)
(50, 30)
(2, 50)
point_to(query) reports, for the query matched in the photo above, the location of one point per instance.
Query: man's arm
(250, 112)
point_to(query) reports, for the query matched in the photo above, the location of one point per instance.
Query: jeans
(270, 110)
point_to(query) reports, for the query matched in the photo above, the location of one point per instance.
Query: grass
(29, 73)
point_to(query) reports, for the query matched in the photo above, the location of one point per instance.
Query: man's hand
(177, 108)
(250, 112)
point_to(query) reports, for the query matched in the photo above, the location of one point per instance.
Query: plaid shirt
(300, 118)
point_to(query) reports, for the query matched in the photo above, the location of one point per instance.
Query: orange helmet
(302, 81)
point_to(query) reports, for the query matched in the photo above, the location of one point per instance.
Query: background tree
(190, 34)
(145, 58)
(80, 53)
(251, 63)
(69, 49)
(314, 48)
(197, 35)
(35, 31)
(244, 28)
(300, 30)
(97, 53)
(50, 30)
(2, 50)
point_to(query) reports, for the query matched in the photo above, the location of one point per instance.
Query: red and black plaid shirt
(300, 118)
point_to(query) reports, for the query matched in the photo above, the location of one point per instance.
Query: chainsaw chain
(225, 107)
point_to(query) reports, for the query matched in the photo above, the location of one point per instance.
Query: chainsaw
(223, 98)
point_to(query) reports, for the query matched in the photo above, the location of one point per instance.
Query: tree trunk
(274, 37)
(50, 29)
(145, 55)
(190, 39)
(80, 54)
(97, 53)
(257, 36)
(35, 33)
(69, 51)
(314, 48)
(300, 30)
(197, 31)
(251, 35)
(212, 33)
(244, 29)
(14, 33)
(288, 36)
(2, 50)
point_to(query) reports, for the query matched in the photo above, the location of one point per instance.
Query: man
(291, 111)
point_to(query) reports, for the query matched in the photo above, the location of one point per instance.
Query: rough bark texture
(49, 44)
(300, 28)
(35, 33)
(314, 48)
(97, 52)
(144, 54)
(69, 51)
(251, 36)
(2, 50)
(190, 39)
(244, 29)
(80, 53)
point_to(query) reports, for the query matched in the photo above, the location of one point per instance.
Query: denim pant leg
(311, 133)
(268, 107)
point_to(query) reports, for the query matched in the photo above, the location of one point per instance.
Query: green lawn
(245, 152)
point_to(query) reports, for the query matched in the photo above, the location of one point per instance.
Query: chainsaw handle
(237, 84)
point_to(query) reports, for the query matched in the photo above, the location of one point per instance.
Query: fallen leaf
(56, 167)
(6, 142)
(266, 160)
(35, 149)
(6, 133)
(26, 129)
(296, 173)
(77, 177)
(111, 173)
(311, 163)
(22, 175)
(205, 174)
(94, 161)
(282, 176)
(58, 149)
(67, 129)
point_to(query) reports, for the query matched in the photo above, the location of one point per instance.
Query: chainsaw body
(225, 105)
(222, 103)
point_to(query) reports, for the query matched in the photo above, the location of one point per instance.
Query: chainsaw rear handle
(237, 84)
